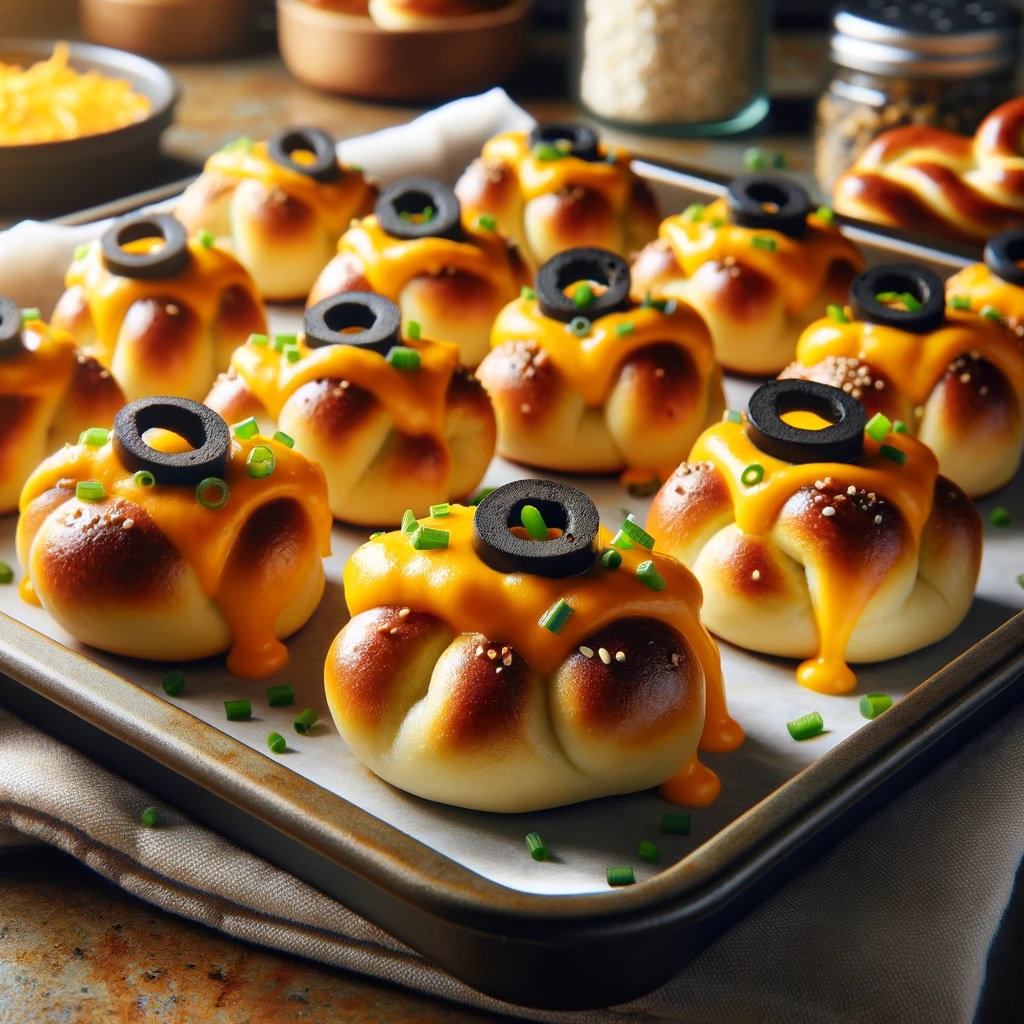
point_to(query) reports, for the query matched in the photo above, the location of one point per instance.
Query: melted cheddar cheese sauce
(838, 607)
(984, 288)
(916, 362)
(591, 363)
(454, 585)
(205, 536)
(798, 267)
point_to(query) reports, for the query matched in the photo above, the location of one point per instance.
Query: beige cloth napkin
(892, 925)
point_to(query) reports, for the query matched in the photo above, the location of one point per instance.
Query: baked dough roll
(49, 393)
(205, 544)
(448, 272)
(758, 265)
(919, 178)
(584, 379)
(280, 206)
(559, 187)
(995, 286)
(394, 421)
(509, 668)
(161, 310)
(834, 544)
(953, 377)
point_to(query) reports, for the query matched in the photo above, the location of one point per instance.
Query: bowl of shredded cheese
(78, 124)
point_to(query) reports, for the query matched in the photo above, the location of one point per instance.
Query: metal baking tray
(459, 886)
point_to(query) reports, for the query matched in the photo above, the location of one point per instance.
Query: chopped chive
(626, 327)
(534, 843)
(676, 824)
(30, 313)
(694, 212)
(260, 461)
(90, 490)
(806, 726)
(649, 852)
(583, 296)
(837, 313)
(717, 222)
(480, 495)
(305, 720)
(282, 438)
(732, 416)
(441, 510)
(636, 533)
(258, 339)
(533, 522)
(281, 695)
(545, 152)
(283, 341)
(622, 542)
(912, 303)
(174, 683)
(760, 242)
(991, 313)
(526, 292)
(960, 302)
(1000, 516)
(277, 743)
(878, 427)
(246, 428)
(486, 221)
(556, 616)
(412, 330)
(826, 213)
(610, 558)
(402, 358)
(238, 710)
(1020, 580)
(899, 427)
(243, 144)
(887, 296)
(292, 353)
(212, 492)
(82, 251)
(95, 437)
(650, 576)
(205, 238)
(6, 573)
(376, 534)
(426, 538)
(409, 521)
(579, 326)
(620, 874)
(754, 159)
(150, 817)
(873, 704)
(752, 474)
(887, 451)
(143, 478)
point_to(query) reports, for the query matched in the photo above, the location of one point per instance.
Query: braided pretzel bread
(940, 183)
(447, 683)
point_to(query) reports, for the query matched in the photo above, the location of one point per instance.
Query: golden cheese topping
(915, 361)
(44, 366)
(591, 363)
(798, 267)
(839, 604)
(205, 536)
(414, 399)
(983, 288)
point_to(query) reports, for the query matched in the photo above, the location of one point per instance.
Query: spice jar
(672, 67)
(945, 63)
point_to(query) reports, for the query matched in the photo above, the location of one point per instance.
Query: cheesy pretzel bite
(510, 667)
(583, 379)
(954, 378)
(758, 265)
(558, 187)
(447, 272)
(49, 393)
(832, 544)
(161, 310)
(177, 552)
(393, 421)
(995, 286)
(280, 206)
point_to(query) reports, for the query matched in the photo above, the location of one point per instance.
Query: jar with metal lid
(945, 63)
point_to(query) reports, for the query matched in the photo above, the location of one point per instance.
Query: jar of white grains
(672, 67)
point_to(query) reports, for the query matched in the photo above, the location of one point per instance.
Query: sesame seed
(819, 484)
(498, 670)
(382, 630)
(393, 630)
(828, 510)
(403, 613)
(620, 656)
(587, 652)
(878, 520)
(603, 654)
(127, 524)
(756, 574)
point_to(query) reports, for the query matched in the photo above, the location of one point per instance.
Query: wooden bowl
(349, 54)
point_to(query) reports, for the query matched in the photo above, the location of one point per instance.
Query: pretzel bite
(953, 377)
(161, 310)
(758, 265)
(497, 658)
(995, 286)
(49, 393)
(205, 544)
(280, 206)
(395, 422)
(583, 379)
(830, 543)
(558, 187)
(448, 273)
(919, 178)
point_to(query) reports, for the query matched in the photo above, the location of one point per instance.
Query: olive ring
(919, 283)
(582, 140)
(11, 341)
(769, 201)
(399, 205)
(582, 264)
(1003, 253)
(563, 507)
(169, 260)
(204, 429)
(330, 322)
(324, 165)
(842, 441)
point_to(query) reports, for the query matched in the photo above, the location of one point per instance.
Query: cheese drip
(454, 585)
(839, 606)
(798, 267)
(984, 288)
(591, 363)
(205, 536)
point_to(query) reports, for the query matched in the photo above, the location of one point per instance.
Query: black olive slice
(769, 201)
(324, 165)
(201, 427)
(400, 207)
(843, 441)
(581, 140)
(11, 342)
(583, 264)
(1003, 253)
(168, 260)
(922, 285)
(331, 322)
(563, 507)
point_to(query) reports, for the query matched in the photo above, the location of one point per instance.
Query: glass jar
(672, 67)
(900, 62)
